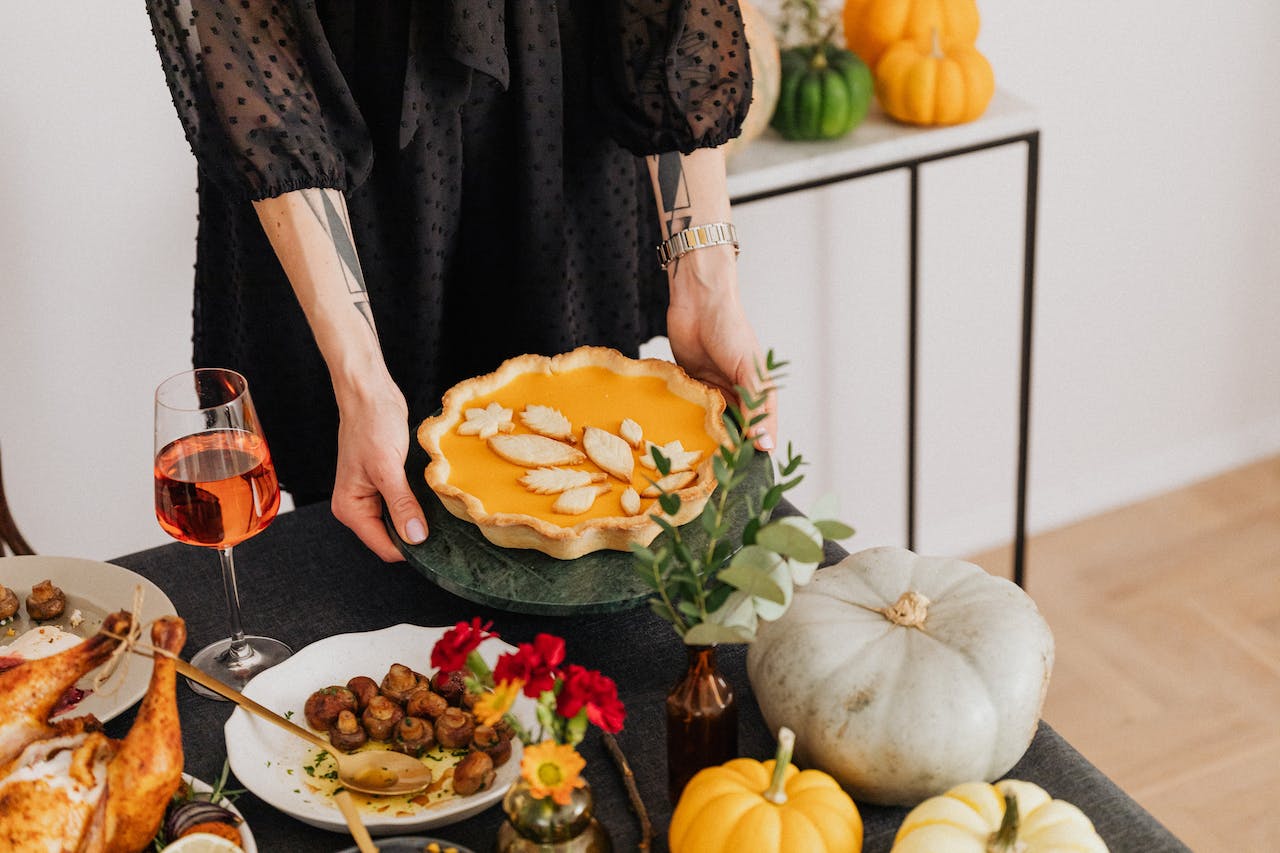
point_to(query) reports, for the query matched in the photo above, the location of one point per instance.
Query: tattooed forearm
(333, 219)
(673, 192)
(674, 202)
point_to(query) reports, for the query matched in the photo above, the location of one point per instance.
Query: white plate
(96, 590)
(270, 762)
(247, 842)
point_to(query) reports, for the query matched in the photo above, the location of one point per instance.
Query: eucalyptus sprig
(718, 592)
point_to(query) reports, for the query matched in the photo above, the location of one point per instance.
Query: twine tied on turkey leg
(120, 653)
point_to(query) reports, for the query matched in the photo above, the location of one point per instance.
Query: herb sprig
(719, 592)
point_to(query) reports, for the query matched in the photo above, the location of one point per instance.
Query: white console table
(770, 166)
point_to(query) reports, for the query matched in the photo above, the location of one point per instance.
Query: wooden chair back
(10, 537)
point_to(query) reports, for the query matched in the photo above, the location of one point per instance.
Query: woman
(504, 170)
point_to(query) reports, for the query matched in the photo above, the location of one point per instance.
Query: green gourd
(826, 91)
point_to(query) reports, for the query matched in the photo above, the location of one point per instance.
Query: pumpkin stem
(776, 792)
(819, 60)
(910, 610)
(1005, 839)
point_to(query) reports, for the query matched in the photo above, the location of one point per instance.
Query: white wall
(1156, 349)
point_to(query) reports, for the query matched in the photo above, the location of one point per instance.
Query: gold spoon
(377, 773)
(358, 831)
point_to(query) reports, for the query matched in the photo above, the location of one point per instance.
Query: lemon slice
(202, 842)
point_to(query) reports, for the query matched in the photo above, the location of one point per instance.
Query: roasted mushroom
(346, 733)
(454, 728)
(400, 681)
(473, 773)
(414, 736)
(426, 703)
(489, 741)
(365, 689)
(450, 685)
(8, 603)
(323, 706)
(46, 601)
(380, 717)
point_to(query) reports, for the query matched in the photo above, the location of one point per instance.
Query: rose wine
(216, 488)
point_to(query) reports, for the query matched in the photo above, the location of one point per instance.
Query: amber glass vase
(702, 720)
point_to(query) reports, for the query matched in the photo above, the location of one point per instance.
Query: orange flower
(491, 706)
(552, 769)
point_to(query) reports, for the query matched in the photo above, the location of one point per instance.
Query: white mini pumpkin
(904, 675)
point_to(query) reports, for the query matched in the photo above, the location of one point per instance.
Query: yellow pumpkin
(934, 82)
(1002, 818)
(746, 806)
(871, 26)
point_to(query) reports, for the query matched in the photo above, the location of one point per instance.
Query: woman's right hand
(373, 442)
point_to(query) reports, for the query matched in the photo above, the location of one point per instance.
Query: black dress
(487, 151)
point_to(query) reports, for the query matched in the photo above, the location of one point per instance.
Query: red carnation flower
(535, 664)
(597, 693)
(450, 652)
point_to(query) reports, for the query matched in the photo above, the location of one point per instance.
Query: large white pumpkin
(903, 675)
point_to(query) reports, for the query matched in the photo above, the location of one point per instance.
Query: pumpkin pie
(554, 453)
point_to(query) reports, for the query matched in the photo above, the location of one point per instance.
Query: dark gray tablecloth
(307, 577)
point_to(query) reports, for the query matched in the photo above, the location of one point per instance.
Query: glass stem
(240, 648)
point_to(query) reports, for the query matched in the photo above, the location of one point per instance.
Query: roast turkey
(66, 787)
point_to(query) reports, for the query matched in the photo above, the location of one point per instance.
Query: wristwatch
(698, 237)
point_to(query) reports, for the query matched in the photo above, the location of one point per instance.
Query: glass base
(236, 666)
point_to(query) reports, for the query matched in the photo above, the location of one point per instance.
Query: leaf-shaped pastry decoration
(535, 451)
(489, 421)
(608, 451)
(547, 421)
(680, 459)
(631, 501)
(670, 483)
(550, 481)
(577, 501)
(631, 432)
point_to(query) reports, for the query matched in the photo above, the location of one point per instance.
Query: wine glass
(216, 486)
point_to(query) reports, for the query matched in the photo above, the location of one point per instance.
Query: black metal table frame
(912, 164)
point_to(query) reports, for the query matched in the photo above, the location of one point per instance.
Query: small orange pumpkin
(930, 82)
(871, 26)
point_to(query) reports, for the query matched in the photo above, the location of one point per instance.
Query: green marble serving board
(458, 558)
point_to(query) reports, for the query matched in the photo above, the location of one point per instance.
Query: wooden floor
(1166, 616)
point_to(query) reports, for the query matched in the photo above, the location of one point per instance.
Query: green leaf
(789, 541)
(708, 519)
(731, 425)
(688, 608)
(722, 471)
(832, 529)
(749, 532)
(772, 497)
(788, 485)
(717, 597)
(750, 571)
(720, 552)
(670, 502)
(711, 634)
(660, 459)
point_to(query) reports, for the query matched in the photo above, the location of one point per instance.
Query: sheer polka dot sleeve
(677, 76)
(260, 98)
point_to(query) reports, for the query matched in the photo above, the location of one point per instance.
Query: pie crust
(593, 387)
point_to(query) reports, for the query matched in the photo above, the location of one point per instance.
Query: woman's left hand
(710, 335)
